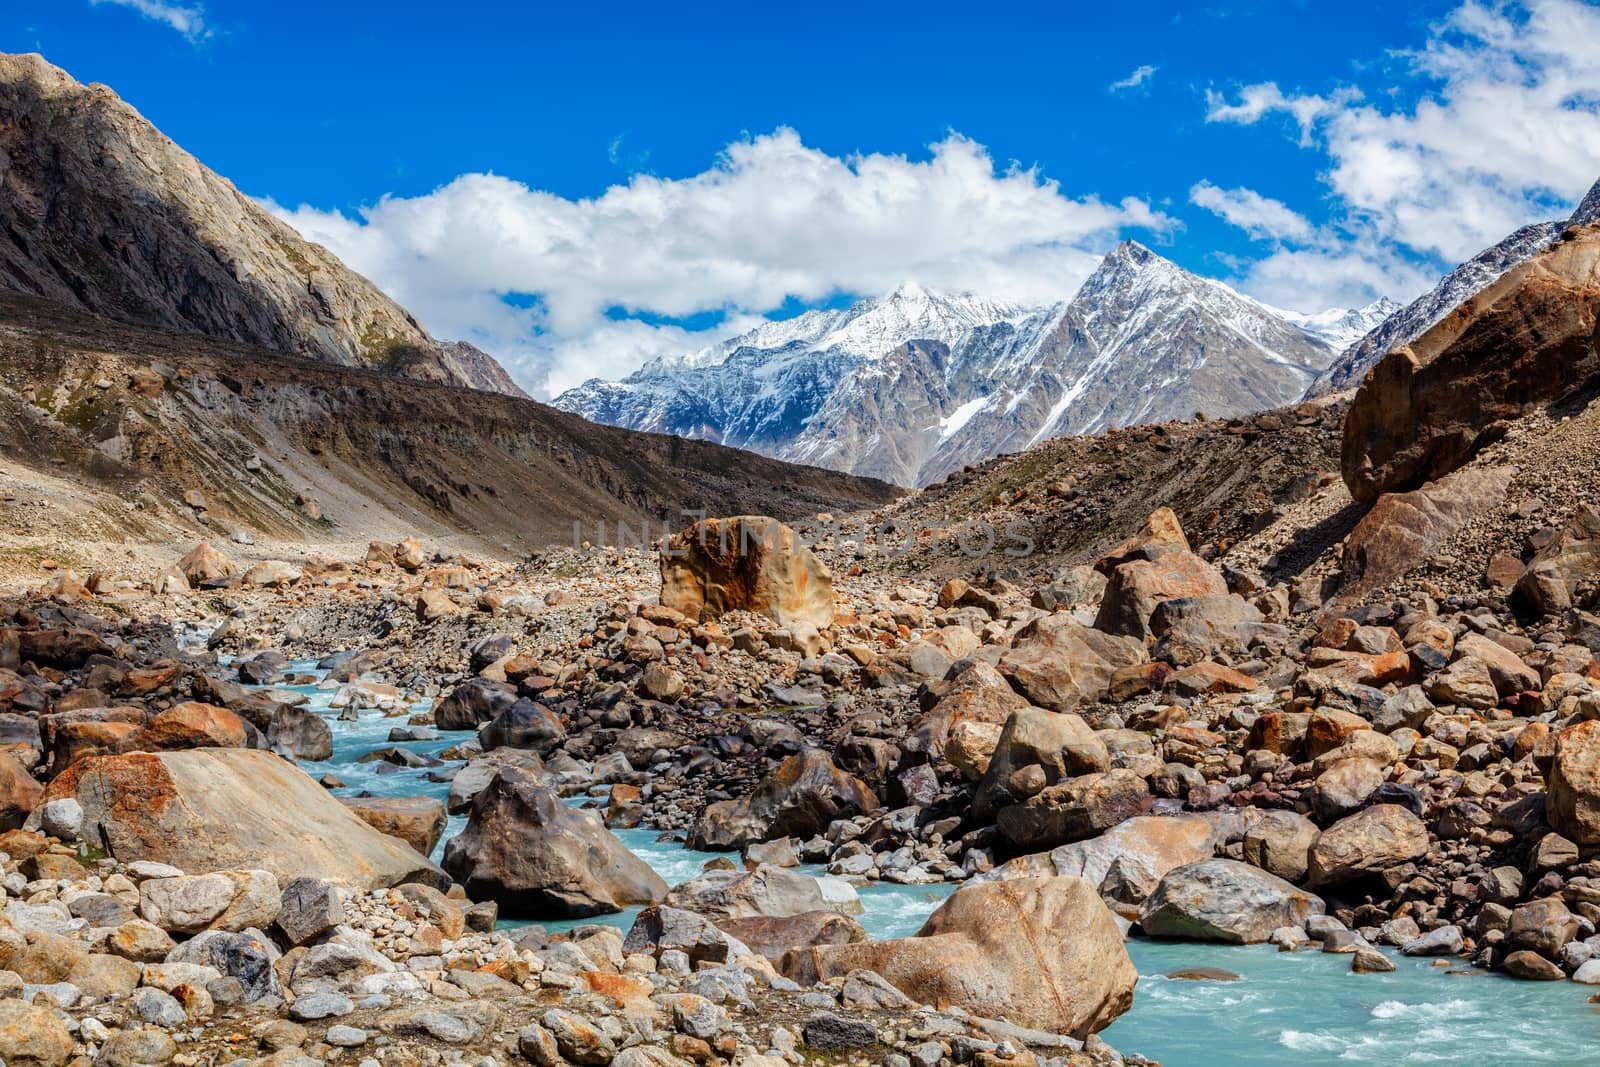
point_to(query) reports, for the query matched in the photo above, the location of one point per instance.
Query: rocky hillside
(306, 451)
(919, 384)
(1412, 321)
(103, 213)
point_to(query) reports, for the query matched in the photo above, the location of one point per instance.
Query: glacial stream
(1303, 1008)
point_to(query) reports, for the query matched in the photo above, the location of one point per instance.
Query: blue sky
(764, 158)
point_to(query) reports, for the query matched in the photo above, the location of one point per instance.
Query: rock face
(799, 799)
(1428, 407)
(1224, 900)
(745, 563)
(237, 808)
(538, 858)
(1042, 952)
(109, 215)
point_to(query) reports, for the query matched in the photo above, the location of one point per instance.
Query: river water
(1303, 1008)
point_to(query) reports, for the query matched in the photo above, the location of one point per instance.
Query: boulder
(774, 936)
(1128, 861)
(1041, 952)
(1075, 809)
(1058, 663)
(1564, 558)
(472, 703)
(32, 1037)
(1428, 407)
(19, 793)
(1402, 531)
(525, 724)
(221, 900)
(202, 563)
(238, 808)
(1224, 900)
(418, 821)
(745, 563)
(799, 799)
(1061, 745)
(978, 696)
(537, 857)
(1366, 843)
(1573, 784)
(1160, 535)
(471, 778)
(1136, 588)
(300, 734)
(1280, 844)
(766, 892)
(193, 724)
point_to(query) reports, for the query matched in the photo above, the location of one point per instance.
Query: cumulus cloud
(1260, 216)
(569, 289)
(189, 20)
(1505, 131)
(1140, 76)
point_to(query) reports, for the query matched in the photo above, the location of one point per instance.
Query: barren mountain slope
(101, 211)
(144, 415)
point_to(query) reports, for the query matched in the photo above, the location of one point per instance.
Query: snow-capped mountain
(919, 383)
(1341, 327)
(1412, 321)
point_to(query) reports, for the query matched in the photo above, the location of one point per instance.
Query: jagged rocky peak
(104, 213)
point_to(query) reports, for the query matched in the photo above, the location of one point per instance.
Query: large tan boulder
(1427, 408)
(1366, 843)
(1058, 663)
(1041, 952)
(202, 563)
(1060, 744)
(19, 792)
(213, 808)
(1135, 589)
(1160, 534)
(1127, 862)
(745, 563)
(1573, 784)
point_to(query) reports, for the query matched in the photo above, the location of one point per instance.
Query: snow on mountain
(916, 384)
(1412, 321)
(1341, 327)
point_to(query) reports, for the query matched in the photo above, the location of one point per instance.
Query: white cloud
(1140, 76)
(188, 20)
(1506, 131)
(772, 219)
(1260, 216)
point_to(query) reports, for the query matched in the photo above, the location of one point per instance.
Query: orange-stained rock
(1041, 952)
(19, 793)
(1160, 534)
(217, 808)
(745, 563)
(1058, 663)
(195, 725)
(418, 821)
(1135, 588)
(1207, 677)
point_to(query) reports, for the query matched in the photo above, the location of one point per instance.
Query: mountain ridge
(101, 211)
(908, 396)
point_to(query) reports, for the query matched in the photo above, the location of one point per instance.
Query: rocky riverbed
(441, 870)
